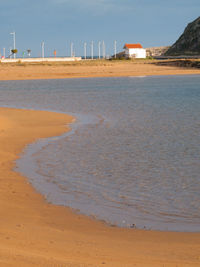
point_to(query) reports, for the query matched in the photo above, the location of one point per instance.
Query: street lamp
(104, 49)
(72, 50)
(115, 48)
(14, 44)
(85, 50)
(92, 50)
(42, 45)
(99, 46)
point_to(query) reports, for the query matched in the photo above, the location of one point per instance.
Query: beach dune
(35, 233)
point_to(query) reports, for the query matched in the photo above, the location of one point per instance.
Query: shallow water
(133, 157)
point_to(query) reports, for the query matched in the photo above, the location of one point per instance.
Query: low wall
(46, 59)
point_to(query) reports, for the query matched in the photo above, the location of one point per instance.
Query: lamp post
(72, 48)
(115, 49)
(42, 49)
(104, 49)
(92, 50)
(10, 52)
(99, 46)
(14, 43)
(85, 50)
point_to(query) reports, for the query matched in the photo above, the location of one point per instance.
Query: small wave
(137, 76)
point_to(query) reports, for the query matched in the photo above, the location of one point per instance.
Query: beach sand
(35, 233)
(95, 68)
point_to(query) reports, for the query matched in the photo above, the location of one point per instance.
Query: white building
(134, 51)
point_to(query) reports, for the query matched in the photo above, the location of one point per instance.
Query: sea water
(132, 158)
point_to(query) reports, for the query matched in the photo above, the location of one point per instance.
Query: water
(131, 158)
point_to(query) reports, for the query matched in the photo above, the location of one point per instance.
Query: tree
(14, 51)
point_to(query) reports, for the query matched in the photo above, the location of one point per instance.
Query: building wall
(135, 52)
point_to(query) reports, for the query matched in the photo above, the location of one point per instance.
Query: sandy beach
(35, 233)
(95, 68)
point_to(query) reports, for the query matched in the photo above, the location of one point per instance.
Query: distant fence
(35, 60)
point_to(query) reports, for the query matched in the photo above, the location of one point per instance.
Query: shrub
(14, 51)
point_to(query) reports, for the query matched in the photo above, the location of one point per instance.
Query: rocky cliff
(189, 41)
(156, 51)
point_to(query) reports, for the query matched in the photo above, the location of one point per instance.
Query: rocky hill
(156, 51)
(189, 41)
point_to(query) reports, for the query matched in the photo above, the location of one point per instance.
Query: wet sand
(95, 68)
(35, 233)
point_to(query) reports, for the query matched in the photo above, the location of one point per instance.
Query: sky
(60, 22)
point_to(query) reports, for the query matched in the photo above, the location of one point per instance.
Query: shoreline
(35, 233)
(91, 69)
(39, 144)
(93, 77)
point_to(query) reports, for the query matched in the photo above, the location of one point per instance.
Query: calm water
(133, 157)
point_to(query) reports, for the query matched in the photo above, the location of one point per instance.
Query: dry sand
(96, 68)
(35, 233)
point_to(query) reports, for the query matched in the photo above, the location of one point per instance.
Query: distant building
(134, 51)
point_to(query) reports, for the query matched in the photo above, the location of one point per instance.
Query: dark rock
(189, 41)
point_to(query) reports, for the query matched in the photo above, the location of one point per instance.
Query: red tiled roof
(132, 46)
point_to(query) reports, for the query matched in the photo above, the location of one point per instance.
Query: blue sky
(60, 22)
